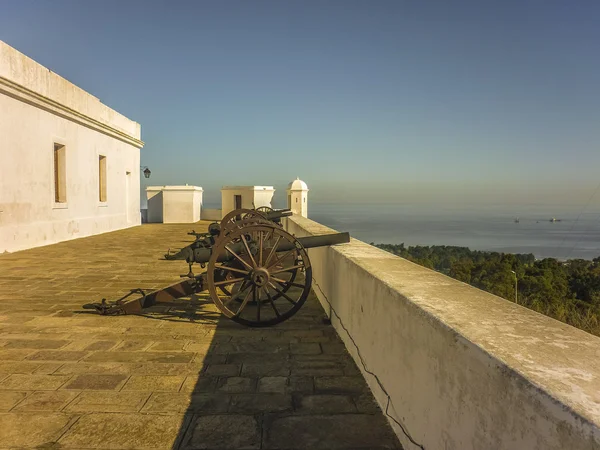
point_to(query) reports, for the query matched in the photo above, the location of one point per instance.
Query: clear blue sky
(464, 100)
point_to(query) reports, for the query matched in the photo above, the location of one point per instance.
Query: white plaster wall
(24, 71)
(464, 369)
(28, 216)
(211, 214)
(263, 197)
(252, 196)
(181, 204)
(299, 202)
(155, 204)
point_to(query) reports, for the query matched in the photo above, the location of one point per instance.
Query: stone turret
(297, 194)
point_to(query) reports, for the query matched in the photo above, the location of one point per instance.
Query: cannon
(256, 273)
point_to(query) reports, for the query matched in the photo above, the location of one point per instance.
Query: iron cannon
(256, 273)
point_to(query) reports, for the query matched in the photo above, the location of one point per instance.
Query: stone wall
(464, 369)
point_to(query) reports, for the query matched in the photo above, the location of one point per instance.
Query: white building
(297, 194)
(69, 165)
(248, 197)
(174, 204)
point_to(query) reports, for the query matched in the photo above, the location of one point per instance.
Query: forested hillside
(567, 291)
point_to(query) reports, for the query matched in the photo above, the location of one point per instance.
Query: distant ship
(554, 220)
(517, 220)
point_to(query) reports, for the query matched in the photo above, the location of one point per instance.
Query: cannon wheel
(261, 278)
(238, 225)
(237, 215)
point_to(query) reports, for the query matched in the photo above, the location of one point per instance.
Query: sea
(574, 234)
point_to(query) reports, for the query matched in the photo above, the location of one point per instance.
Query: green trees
(569, 291)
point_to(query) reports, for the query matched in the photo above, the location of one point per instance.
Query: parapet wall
(464, 369)
(24, 78)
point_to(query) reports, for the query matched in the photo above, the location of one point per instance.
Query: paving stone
(15, 354)
(324, 404)
(366, 403)
(101, 345)
(340, 384)
(164, 357)
(305, 349)
(122, 431)
(265, 370)
(249, 348)
(180, 403)
(301, 384)
(259, 403)
(133, 346)
(167, 346)
(107, 401)
(46, 401)
(347, 431)
(199, 384)
(56, 355)
(199, 347)
(152, 383)
(8, 399)
(223, 369)
(334, 348)
(24, 367)
(265, 358)
(96, 382)
(34, 382)
(35, 344)
(30, 430)
(236, 384)
(199, 353)
(276, 385)
(317, 369)
(223, 432)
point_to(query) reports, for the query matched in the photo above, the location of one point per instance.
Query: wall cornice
(30, 97)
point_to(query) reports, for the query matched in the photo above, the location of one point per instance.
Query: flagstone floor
(182, 377)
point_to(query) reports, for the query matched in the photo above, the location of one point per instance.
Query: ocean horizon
(575, 234)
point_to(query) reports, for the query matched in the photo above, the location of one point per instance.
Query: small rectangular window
(60, 183)
(102, 177)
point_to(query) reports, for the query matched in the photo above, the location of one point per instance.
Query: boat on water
(554, 220)
(517, 220)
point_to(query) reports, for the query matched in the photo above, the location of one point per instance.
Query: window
(102, 177)
(60, 184)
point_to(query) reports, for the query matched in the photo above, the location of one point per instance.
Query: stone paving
(179, 377)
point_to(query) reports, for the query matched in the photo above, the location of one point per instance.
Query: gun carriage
(256, 273)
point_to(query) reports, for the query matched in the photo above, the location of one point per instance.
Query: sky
(467, 102)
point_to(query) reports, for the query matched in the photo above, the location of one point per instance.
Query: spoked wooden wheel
(237, 215)
(274, 280)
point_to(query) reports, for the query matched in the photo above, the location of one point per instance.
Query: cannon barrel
(202, 255)
(274, 215)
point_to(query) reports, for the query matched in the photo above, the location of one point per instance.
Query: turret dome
(297, 185)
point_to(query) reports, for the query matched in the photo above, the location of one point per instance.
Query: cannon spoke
(235, 255)
(226, 282)
(287, 283)
(257, 302)
(287, 269)
(271, 301)
(288, 253)
(283, 294)
(248, 252)
(272, 250)
(245, 302)
(245, 285)
(233, 269)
